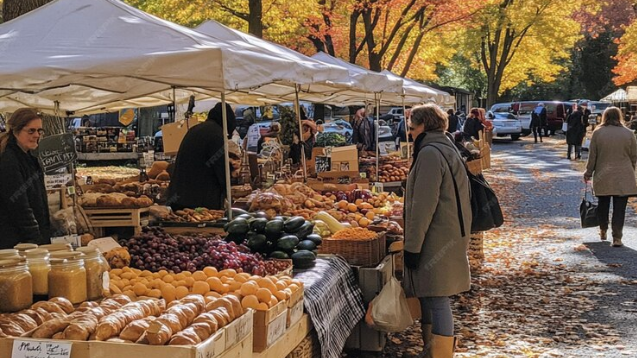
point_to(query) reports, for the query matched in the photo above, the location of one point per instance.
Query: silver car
(505, 124)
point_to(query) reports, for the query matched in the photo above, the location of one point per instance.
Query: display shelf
(290, 339)
(103, 218)
(88, 157)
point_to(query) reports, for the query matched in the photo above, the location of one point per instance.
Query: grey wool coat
(611, 161)
(432, 225)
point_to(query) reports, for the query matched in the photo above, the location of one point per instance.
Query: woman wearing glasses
(437, 227)
(24, 211)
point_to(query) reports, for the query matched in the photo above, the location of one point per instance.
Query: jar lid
(57, 247)
(90, 252)
(71, 255)
(12, 262)
(25, 246)
(8, 253)
(36, 253)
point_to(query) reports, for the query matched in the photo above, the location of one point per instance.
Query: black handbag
(588, 211)
(486, 213)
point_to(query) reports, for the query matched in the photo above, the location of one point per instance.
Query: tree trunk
(14, 8)
(255, 23)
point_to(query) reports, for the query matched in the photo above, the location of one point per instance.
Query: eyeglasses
(31, 131)
(411, 129)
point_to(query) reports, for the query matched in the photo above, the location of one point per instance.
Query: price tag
(36, 349)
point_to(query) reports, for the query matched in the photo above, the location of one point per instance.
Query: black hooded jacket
(199, 177)
(24, 210)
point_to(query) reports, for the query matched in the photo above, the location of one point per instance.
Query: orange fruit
(181, 292)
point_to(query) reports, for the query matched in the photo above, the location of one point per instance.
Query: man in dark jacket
(199, 178)
(575, 132)
(453, 121)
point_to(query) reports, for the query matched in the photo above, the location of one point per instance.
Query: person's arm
(633, 151)
(429, 171)
(592, 158)
(14, 196)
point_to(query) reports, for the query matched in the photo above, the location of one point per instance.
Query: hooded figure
(199, 177)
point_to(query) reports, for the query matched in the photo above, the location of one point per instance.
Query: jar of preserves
(57, 247)
(22, 247)
(67, 278)
(9, 254)
(39, 267)
(16, 285)
(96, 266)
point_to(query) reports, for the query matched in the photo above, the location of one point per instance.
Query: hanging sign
(56, 152)
(126, 116)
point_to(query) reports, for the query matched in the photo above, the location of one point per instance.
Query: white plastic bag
(389, 310)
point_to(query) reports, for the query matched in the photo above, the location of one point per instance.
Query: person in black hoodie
(199, 177)
(24, 210)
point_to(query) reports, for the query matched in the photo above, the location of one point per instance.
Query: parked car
(395, 114)
(339, 126)
(505, 124)
(556, 113)
(597, 109)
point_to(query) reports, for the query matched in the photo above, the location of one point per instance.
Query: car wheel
(515, 136)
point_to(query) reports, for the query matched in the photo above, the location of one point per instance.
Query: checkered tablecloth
(334, 302)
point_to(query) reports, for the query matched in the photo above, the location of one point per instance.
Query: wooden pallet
(103, 218)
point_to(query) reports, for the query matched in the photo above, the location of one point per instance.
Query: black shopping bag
(588, 211)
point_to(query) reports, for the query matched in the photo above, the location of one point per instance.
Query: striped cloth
(334, 302)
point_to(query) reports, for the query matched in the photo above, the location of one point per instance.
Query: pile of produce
(330, 140)
(256, 292)
(355, 233)
(155, 250)
(188, 321)
(279, 238)
(295, 199)
(392, 169)
(197, 215)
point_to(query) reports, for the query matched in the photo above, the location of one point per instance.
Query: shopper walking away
(24, 210)
(453, 121)
(611, 165)
(199, 178)
(575, 132)
(473, 126)
(538, 121)
(436, 228)
(363, 134)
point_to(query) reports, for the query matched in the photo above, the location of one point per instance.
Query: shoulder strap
(455, 188)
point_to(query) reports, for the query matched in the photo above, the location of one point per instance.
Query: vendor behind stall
(199, 178)
(309, 138)
(24, 211)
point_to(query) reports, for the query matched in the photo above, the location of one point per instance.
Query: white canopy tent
(618, 96)
(92, 56)
(415, 89)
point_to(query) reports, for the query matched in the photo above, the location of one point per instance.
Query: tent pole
(226, 157)
(377, 128)
(297, 109)
(406, 126)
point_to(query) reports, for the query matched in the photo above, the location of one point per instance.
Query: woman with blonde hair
(437, 227)
(611, 164)
(24, 210)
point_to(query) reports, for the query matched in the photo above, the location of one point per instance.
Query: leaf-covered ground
(546, 288)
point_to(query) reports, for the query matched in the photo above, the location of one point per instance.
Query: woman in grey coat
(611, 164)
(435, 240)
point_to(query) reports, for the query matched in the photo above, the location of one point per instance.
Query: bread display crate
(232, 341)
(103, 218)
(310, 347)
(269, 326)
(357, 252)
(289, 341)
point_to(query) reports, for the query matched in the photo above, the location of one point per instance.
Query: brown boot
(426, 340)
(617, 242)
(442, 346)
(602, 234)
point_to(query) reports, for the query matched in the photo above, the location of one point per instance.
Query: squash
(330, 221)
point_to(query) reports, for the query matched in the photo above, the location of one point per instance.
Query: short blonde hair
(434, 118)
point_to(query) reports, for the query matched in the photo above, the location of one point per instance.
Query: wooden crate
(476, 250)
(475, 166)
(103, 218)
(310, 347)
(485, 154)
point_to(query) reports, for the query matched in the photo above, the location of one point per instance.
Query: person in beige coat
(611, 165)
(436, 229)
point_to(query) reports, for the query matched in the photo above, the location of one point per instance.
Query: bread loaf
(81, 328)
(158, 333)
(49, 328)
(64, 304)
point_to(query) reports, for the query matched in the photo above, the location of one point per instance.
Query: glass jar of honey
(39, 267)
(16, 285)
(67, 278)
(95, 266)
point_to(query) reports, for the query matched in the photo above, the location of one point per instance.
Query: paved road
(553, 191)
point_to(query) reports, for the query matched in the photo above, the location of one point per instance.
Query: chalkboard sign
(56, 151)
(323, 164)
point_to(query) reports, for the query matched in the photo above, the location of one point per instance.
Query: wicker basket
(475, 166)
(476, 245)
(308, 348)
(357, 252)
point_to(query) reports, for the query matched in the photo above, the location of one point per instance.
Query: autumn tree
(626, 69)
(14, 8)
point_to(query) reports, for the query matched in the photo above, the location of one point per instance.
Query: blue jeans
(436, 311)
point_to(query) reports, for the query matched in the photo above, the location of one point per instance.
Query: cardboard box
(269, 326)
(345, 159)
(295, 313)
(174, 133)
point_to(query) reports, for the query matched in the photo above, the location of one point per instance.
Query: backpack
(486, 213)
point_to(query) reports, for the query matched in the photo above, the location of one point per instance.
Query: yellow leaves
(626, 69)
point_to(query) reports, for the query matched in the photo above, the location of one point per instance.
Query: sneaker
(602, 235)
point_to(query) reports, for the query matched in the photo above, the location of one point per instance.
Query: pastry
(202, 330)
(208, 319)
(11, 329)
(49, 328)
(81, 328)
(38, 317)
(24, 321)
(64, 304)
(134, 330)
(158, 333)
(48, 306)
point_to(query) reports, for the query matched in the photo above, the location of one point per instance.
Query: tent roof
(91, 55)
(619, 95)
(415, 88)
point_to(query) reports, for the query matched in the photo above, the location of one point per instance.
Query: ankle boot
(602, 234)
(617, 242)
(442, 346)
(426, 340)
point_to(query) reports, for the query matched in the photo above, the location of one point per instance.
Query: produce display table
(333, 301)
(286, 344)
(89, 157)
